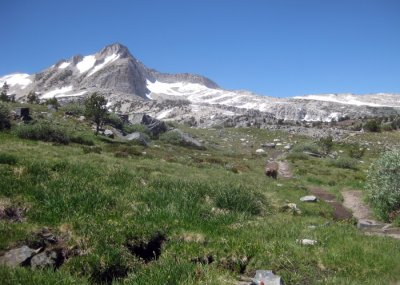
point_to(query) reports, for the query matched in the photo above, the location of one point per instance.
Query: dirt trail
(366, 222)
(340, 213)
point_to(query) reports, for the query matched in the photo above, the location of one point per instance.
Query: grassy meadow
(208, 216)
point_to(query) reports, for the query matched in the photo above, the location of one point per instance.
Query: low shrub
(372, 126)
(82, 139)
(344, 162)
(355, 151)
(383, 184)
(43, 131)
(293, 156)
(91, 149)
(5, 122)
(131, 128)
(239, 199)
(115, 121)
(74, 109)
(6, 158)
(309, 147)
(173, 138)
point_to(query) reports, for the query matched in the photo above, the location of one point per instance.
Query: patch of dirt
(340, 213)
(353, 201)
(284, 169)
(147, 250)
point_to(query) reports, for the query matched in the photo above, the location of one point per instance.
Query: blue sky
(271, 47)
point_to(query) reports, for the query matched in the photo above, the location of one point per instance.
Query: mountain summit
(124, 80)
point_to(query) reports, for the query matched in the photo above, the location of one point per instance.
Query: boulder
(156, 127)
(365, 224)
(260, 150)
(138, 137)
(109, 133)
(268, 145)
(309, 198)
(187, 140)
(267, 277)
(45, 259)
(16, 256)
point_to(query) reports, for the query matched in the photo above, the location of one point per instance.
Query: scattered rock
(266, 277)
(17, 256)
(292, 208)
(365, 224)
(268, 145)
(137, 137)
(48, 258)
(109, 133)
(306, 241)
(312, 154)
(288, 147)
(156, 127)
(81, 118)
(309, 198)
(260, 150)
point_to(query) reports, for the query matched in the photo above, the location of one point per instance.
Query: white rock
(306, 241)
(309, 198)
(260, 150)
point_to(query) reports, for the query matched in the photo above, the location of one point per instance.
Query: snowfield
(86, 63)
(20, 79)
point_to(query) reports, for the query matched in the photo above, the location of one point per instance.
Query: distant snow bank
(20, 79)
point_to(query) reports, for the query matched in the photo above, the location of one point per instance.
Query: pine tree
(96, 109)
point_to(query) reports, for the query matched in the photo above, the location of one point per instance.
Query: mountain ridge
(124, 80)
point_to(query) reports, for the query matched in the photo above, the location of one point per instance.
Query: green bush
(82, 139)
(297, 156)
(383, 184)
(173, 138)
(344, 162)
(6, 158)
(115, 121)
(74, 109)
(5, 122)
(326, 144)
(43, 131)
(91, 149)
(355, 151)
(131, 128)
(372, 126)
(309, 147)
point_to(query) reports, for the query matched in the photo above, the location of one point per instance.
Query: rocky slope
(131, 87)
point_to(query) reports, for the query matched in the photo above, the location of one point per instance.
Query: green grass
(105, 200)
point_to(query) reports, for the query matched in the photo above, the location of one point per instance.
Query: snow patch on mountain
(86, 63)
(338, 98)
(55, 92)
(64, 65)
(107, 60)
(20, 79)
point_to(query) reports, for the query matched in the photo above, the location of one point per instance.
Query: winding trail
(366, 222)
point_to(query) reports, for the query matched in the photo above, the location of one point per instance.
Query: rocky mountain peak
(117, 49)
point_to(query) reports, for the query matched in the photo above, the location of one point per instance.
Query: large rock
(156, 127)
(45, 259)
(16, 256)
(138, 137)
(266, 277)
(187, 140)
(309, 198)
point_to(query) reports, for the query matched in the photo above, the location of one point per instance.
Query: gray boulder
(16, 256)
(138, 137)
(187, 140)
(156, 127)
(44, 259)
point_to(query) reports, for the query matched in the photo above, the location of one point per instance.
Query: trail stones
(309, 198)
(17, 256)
(365, 224)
